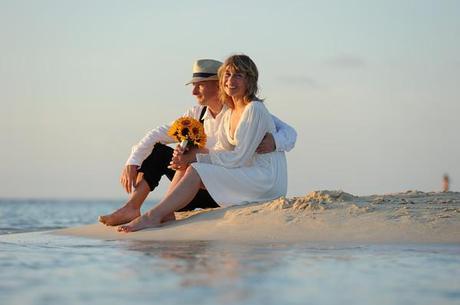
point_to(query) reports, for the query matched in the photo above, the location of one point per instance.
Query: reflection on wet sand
(208, 263)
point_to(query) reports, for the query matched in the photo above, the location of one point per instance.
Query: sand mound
(412, 216)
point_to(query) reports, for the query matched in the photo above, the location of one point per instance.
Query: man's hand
(128, 177)
(267, 145)
(178, 160)
(181, 159)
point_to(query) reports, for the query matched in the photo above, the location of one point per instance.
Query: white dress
(234, 173)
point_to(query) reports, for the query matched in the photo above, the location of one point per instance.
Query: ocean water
(41, 268)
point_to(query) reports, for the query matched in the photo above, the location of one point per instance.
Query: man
(152, 157)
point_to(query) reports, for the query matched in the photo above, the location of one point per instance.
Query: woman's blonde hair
(242, 64)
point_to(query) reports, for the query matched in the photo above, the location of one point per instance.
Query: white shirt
(285, 137)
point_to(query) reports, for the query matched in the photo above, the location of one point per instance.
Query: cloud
(346, 61)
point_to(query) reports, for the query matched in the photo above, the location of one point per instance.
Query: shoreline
(320, 216)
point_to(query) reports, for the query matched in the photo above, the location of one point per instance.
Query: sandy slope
(411, 216)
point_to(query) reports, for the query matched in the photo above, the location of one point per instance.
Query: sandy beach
(337, 216)
(327, 247)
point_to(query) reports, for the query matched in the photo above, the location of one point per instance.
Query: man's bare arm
(267, 145)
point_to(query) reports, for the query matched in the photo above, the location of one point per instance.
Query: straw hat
(204, 70)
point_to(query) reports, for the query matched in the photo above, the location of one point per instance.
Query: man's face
(205, 91)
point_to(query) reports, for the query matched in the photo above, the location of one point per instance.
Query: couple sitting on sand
(243, 160)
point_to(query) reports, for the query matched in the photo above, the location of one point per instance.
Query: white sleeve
(285, 136)
(253, 126)
(144, 147)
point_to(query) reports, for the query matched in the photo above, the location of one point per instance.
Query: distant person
(151, 156)
(445, 183)
(233, 173)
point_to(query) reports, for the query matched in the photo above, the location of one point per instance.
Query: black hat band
(202, 74)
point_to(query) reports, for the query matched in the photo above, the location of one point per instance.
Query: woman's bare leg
(177, 177)
(179, 197)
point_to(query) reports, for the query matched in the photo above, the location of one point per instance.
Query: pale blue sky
(370, 86)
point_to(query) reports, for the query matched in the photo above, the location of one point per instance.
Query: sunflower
(190, 130)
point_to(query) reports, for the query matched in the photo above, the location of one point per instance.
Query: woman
(233, 173)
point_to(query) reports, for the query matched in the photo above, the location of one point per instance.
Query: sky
(370, 86)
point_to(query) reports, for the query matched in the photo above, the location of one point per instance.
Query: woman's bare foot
(122, 215)
(148, 220)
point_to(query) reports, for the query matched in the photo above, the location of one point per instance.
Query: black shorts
(156, 165)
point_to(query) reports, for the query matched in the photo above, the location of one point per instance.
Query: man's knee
(156, 165)
(159, 157)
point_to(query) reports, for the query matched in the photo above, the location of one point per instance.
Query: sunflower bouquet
(189, 132)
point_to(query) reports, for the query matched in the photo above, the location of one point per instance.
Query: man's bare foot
(122, 215)
(147, 220)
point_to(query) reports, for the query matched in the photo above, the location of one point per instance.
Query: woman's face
(235, 83)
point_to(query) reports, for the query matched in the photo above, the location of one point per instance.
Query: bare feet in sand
(122, 215)
(148, 220)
